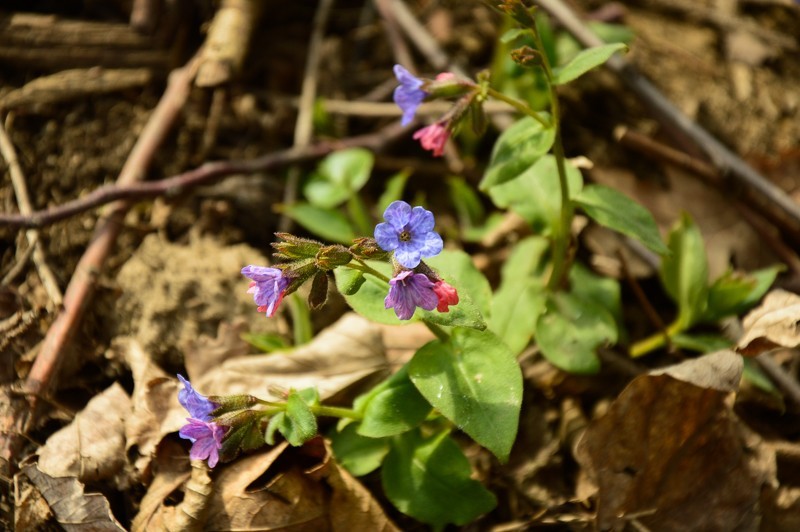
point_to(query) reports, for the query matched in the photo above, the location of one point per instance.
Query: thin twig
(305, 115)
(402, 54)
(711, 176)
(728, 163)
(783, 380)
(19, 266)
(18, 419)
(23, 200)
(203, 175)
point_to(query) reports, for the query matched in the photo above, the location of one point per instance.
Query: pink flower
(433, 138)
(447, 295)
(206, 438)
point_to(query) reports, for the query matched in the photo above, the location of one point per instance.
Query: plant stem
(440, 333)
(366, 268)
(335, 411)
(522, 107)
(562, 236)
(656, 341)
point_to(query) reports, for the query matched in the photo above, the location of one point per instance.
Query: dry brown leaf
(352, 506)
(719, 371)
(669, 455)
(172, 469)
(31, 511)
(774, 323)
(205, 353)
(290, 500)
(92, 447)
(73, 509)
(345, 353)
(156, 411)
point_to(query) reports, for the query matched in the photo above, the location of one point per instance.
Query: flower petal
(432, 245)
(421, 220)
(398, 214)
(407, 255)
(386, 236)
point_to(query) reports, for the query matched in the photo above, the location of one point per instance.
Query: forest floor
(92, 95)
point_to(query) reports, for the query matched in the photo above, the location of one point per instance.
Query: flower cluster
(409, 234)
(412, 91)
(205, 435)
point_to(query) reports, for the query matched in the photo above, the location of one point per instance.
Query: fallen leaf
(352, 506)
(31, 511)
(721, 371)
(287, 500)
(668, 454)
(173, 470)
(205, 352)
(155, 408)
(73, 509)
(345, 353)
(92, 447)
(774, 323)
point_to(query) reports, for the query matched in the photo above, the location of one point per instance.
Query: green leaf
(517, 148)
(753, 373)
(702, 343)
(475, 382)
(340, 175)
(585, 61)
(536, 194)
(571, 330)
(358, 454)
(734, 293)
(393, 407)
(603, 291)
(520, 298)
(328, 224)
(615, 210)
(684, 272)
(267, 342)
(369, 299)
(466, 201)
(297, 423)
(458, 269)
(512, 34)
(393, 190)
(430, 480)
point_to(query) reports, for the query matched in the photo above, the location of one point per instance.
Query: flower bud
(447, 85)
(232, 403)
(319, 291)
(294, 247)
(368, 248)
(527, 57)
(329, 257)
(517, 10)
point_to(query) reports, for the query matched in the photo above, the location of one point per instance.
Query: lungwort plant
(468, 378)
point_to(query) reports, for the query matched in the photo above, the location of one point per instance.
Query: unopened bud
(294, 247)
(319, 291)
(517, 10)
(330, 257)
(447, 85)
(231, 403)
(368, 248)
(527, 57)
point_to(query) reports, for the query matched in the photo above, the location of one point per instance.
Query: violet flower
(409, 233)
(409, 94)
(205, 435)
(268, 287)
(447, 295)
(433, 138)
(409, 290)
(206, 438)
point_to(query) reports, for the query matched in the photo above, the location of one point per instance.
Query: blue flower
(205, 435)
(409, 94)
(198, 405)
(409, 233)
(409, 290)
(268, 287)
(206, 438)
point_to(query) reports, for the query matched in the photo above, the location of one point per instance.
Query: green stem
(366, 268)
(335, 411)
(522, 107)
(656, 341)
(562, 236)
(440, 333)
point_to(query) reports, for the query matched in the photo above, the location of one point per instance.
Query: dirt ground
(78, 84)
